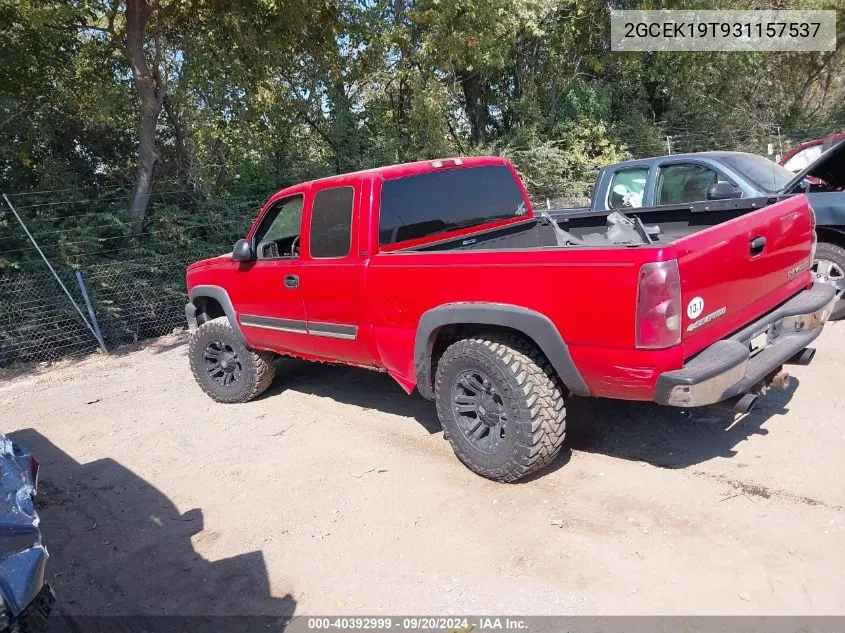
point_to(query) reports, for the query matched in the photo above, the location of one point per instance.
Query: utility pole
(669, 144)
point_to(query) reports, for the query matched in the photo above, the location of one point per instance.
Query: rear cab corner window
(421, 205)
(331, 223)
(627, 188)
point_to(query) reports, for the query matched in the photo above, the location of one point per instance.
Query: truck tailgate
(734, 272)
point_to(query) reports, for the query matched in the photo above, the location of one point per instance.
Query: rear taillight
(659, 305)
(815, 236)
(813, 249)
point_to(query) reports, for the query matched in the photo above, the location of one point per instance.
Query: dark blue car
(25, 599)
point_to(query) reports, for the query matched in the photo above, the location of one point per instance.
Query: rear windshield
(764, 174)
(438, 201)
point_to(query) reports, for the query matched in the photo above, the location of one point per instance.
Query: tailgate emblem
(794, 271)
(695, 307)
(704, 320)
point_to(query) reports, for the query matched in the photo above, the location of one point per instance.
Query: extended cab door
(266, 294)
(332, 272)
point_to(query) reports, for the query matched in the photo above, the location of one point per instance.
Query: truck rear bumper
(744, 362)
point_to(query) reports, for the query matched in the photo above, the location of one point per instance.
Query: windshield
(765, 175)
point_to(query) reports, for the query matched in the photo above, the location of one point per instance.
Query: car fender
(222, 297)
(534, 325)
(829, 208)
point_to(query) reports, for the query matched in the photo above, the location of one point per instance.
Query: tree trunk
(475, 104)
(223, 171)
(184, 150)
(150, 98)
(144, 175)
(403, 101)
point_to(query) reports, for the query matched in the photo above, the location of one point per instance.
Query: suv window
(685, 182)
(331, 222)
(438, 201)
(278, 234)
(627, 188)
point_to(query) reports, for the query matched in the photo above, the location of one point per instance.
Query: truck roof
(689, 155)
(390, 172)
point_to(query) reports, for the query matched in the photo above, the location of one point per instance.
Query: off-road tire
(835, 254)
(533, 396)
(257, 368)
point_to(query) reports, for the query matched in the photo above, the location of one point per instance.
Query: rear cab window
(331, 223)
(627, 188)
(421, 205)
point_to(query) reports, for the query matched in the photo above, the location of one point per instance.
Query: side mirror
(242, 252)
(723, 191)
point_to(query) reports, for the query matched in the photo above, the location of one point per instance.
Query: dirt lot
(336, 493)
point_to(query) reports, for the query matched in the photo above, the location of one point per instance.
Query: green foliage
(563, 170)
(260, 94)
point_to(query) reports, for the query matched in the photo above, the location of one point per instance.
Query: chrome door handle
(291, 281)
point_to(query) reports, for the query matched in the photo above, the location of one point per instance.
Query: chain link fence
(37, 321)
(135, 286)
(131, 301)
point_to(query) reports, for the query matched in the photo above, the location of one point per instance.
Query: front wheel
(501, 406)
(224, 367)
(829, 268)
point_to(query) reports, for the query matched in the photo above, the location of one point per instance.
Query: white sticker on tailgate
(695, 307)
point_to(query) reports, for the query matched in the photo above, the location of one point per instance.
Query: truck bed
(675, 222)
(582, 289)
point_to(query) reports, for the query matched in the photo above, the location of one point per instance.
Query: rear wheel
(501, 406)
(829, 268)
(224, 367)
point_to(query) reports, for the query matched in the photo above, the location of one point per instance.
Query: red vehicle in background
(441, 274)
(801, 157)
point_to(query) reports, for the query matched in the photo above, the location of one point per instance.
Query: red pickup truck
(441, 274)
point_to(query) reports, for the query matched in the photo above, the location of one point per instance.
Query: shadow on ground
(350, 385)
(662, 436)
(665, 436)
(118, 546)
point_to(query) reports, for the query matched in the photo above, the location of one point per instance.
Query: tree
(142, 49)
(151, 88)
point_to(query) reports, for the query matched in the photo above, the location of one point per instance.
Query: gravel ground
(335, 493)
